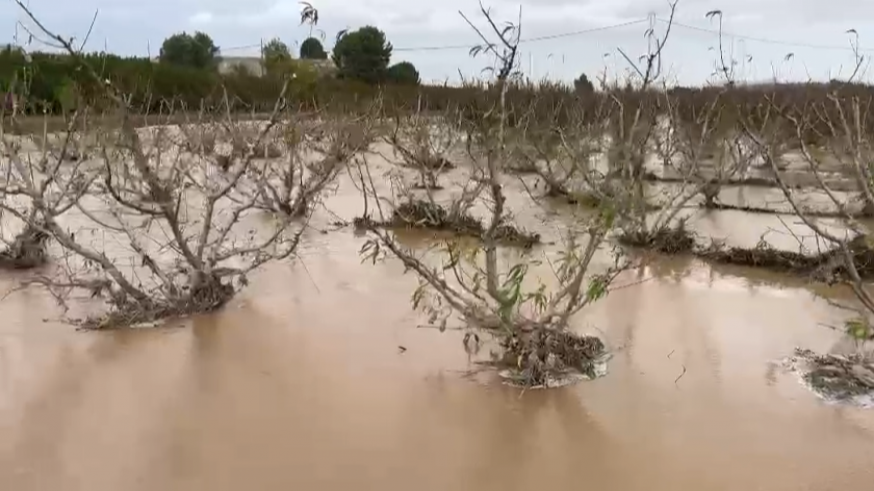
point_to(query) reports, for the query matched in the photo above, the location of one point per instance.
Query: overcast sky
(814, 31)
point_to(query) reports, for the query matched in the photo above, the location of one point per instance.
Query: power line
(616, 26)
(790, 44)
(238, 48)
(527, 40)
(469, 46)
(762, 40)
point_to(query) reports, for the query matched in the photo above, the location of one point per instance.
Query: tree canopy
(312, 49)
(363, 54)
(277, 57)
(196, 51)
(403, 73)
(583, 85)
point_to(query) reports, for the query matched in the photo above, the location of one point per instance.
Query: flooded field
(317, 377)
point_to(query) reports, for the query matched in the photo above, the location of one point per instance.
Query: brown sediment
(522, 168)
(268, 150)
(27, 250)
(667, 240)
(799, 180)
(543, 356)
(432, 216)
(437, 163)
(837, 377)
(762, 256)
(585, 198)
(827, 266)
(770, 211)
(431, 163)
(427, 187)
(747, 181)
(210, 295)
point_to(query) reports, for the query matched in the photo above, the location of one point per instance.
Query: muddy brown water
(300, 384)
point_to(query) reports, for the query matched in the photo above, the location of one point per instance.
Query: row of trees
(362, 55)
(198, 50)
(187, 73)
(53, 83)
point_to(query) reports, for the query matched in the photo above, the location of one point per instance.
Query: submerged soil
(317, 378)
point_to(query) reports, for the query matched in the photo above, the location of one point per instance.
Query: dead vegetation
(842, 123)
(27, 250)
(827, 266)
(471, 286)
(163, 221)
(422, 214)
(423, 145)
(839, 378)
(543, 357)
(667, 240)
(186, 202)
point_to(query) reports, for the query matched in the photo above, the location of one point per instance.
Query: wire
(238, 48)
(527, 40)
(610, 27)
(764, 40)
(469, 46)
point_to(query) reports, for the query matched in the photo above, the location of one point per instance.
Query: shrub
(363, 55)
(312, 49)
(403, 73)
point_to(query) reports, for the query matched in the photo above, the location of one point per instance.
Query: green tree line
(54, 84)
(186, 75)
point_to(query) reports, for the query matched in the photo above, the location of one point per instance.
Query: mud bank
(425, 215)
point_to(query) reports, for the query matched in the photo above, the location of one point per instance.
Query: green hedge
(53, 83)
(50, 82)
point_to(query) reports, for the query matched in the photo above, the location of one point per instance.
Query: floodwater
(317, 377)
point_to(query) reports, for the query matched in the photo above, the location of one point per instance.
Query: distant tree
(403, 73)
(583, 85)
(277, 57)
(363, 54)
(312, 49)
(197, 51)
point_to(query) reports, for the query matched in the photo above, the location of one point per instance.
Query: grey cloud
(770, 11)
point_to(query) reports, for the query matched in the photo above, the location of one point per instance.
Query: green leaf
(858, 329)
(597, 289)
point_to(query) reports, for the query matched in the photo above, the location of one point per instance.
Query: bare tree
(531, 326)
(851, 258)
(559, 147)
(161, 223)
(632, 124)
(704, 147)
(701, 148)
(423, 144)
(315, 151)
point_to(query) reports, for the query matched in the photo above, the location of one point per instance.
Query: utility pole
(531, 66)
